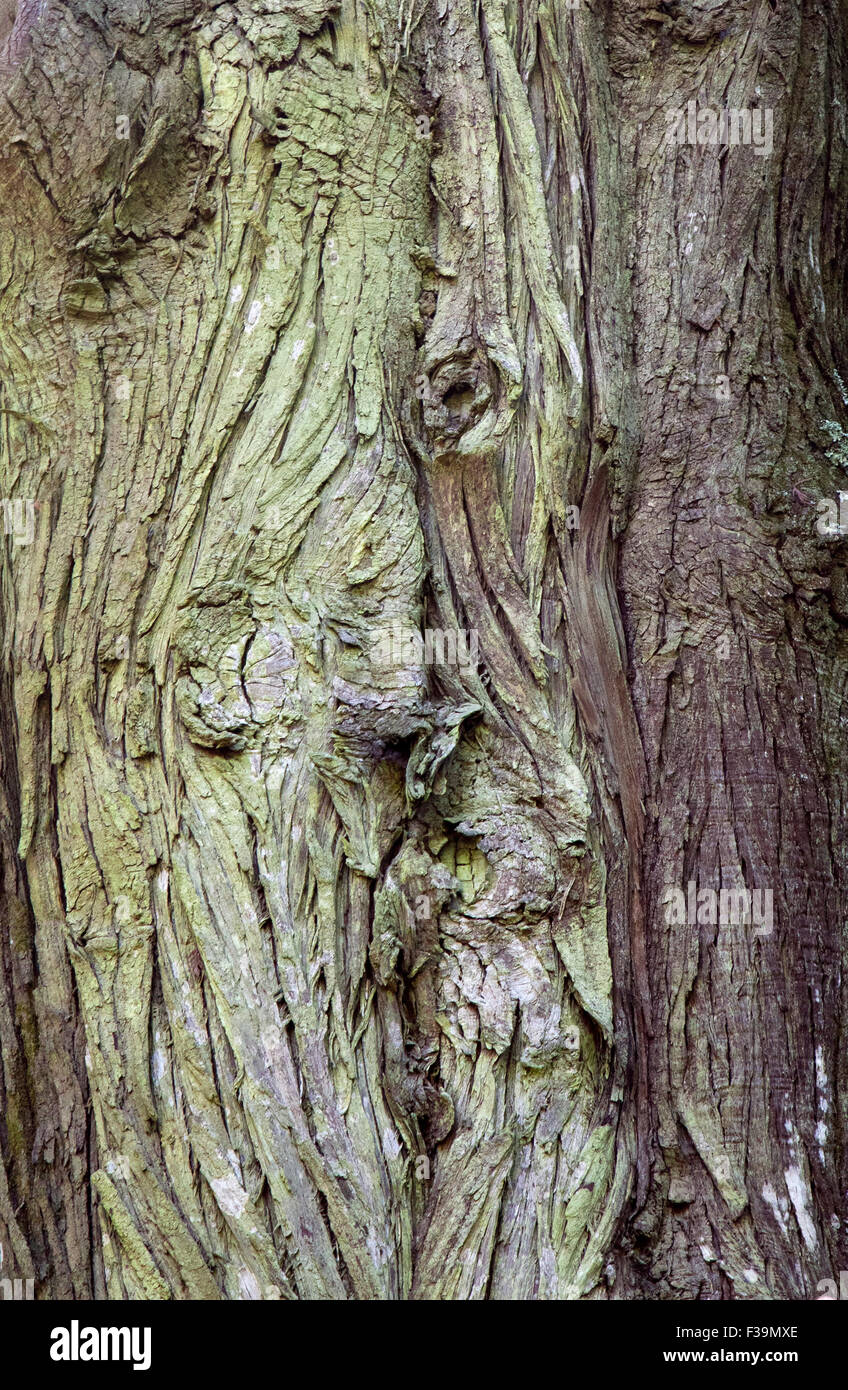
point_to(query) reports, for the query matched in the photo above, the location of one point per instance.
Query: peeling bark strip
(327, 973)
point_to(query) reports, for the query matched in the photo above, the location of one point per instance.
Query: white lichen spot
(707, 1253)
(230, 1195)
(249, 1286)
(158, 1064)
(751, 1276)
(236, 294)
(575, 363)
(298, 349)
(253, 315)
(770, 1196)
(799, 1197)
(391, 1144)
(822, 1083)
(575, 183)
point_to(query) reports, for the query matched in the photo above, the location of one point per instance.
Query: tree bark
(337, 964)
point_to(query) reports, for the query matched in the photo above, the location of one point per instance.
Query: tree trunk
(342, 961)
